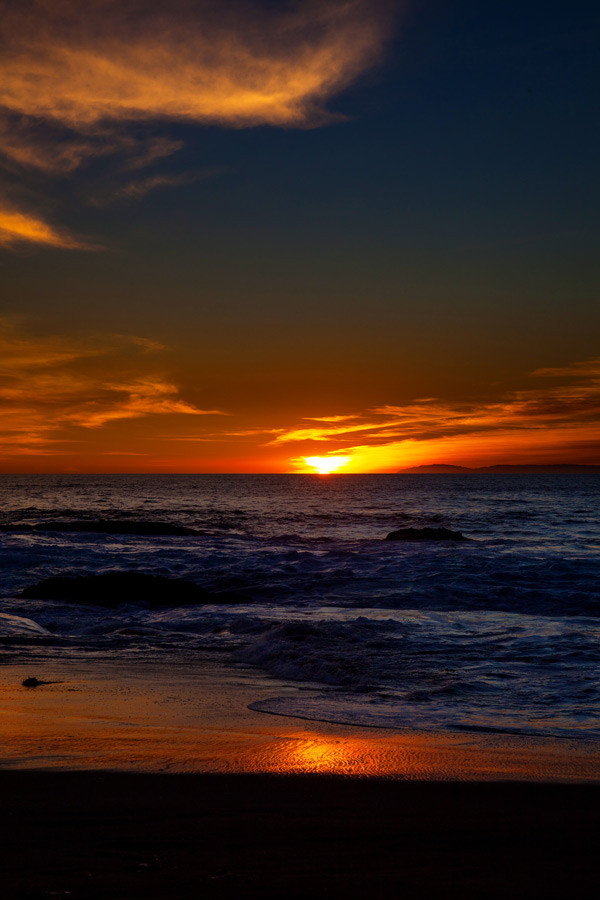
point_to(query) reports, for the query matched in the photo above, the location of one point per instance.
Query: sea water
(496, 634)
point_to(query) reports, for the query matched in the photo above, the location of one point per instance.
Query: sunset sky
(236, 235)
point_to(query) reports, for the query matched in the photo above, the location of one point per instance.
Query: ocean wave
(485, 634)
(400, 714)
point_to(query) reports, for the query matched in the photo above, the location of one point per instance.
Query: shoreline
(127, 716)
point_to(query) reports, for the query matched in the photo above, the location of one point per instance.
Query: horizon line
(409, 470)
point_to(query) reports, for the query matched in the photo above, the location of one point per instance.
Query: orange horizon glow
(110, 403)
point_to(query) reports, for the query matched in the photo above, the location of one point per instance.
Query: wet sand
(92, 835)
(154, 717)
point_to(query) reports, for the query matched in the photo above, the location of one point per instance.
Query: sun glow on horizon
(324, 465)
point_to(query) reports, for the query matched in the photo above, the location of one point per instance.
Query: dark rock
(425, 534)
(114, 589)
(18, 528)
(106, 526)
(34, 682)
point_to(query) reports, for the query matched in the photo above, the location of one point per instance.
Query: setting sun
(326, 464)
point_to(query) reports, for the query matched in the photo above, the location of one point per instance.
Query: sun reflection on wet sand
(149, 718)
(352, 752)
(429, 757)
(313, 753)
(318, 755)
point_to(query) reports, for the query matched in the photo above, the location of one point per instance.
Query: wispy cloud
(565, 410)
(18, 227)
(590, 368)
(139, 188)
(81, 64)
(326, 433)
(83, 80)
(82, 67)
(40, 143)
(329, 418)
(52, 386)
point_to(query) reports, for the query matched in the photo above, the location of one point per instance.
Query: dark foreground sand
(80, 835)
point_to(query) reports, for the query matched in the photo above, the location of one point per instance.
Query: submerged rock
(113, 589)
(425, 534)
(106, 526)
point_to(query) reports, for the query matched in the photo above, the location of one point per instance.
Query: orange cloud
(590, 368)
(545, 420)
(329, 418)
(35, 143)
(21, 227)
(324, 434)
(83, 66)
(74, 75)
(50, 386)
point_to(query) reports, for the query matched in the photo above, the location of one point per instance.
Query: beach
(167, 717)
(115, 785)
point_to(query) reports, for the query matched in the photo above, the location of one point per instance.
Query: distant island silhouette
(443, 469)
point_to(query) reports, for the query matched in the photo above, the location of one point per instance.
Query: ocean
(497, 634)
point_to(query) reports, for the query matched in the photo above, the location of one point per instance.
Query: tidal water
(496, 634)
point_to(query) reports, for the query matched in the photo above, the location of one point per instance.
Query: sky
(238, 235)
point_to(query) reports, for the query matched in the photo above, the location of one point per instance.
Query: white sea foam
(17, 626)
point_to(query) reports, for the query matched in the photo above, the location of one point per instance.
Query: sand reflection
(315, 753)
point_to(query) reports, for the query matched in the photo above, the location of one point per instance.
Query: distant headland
(560, 469)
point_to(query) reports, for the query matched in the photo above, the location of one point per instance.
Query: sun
(326, 464)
